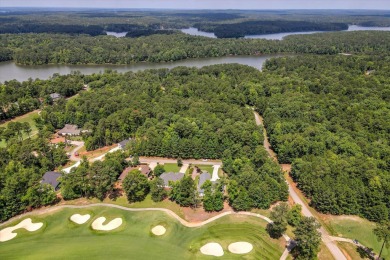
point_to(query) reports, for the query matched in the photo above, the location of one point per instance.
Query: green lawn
(62, 239)
(171, 167)
(357, 228)
(29, 117)
(208, 168)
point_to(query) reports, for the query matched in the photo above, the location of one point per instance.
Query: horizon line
(195, 9)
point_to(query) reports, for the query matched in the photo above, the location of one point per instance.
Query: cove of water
(280, 36)
(9, 70)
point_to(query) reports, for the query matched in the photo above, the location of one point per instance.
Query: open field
(354, 227)
(60, 238)
(29, 117)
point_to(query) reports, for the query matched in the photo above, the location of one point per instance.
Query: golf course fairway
(60, 238)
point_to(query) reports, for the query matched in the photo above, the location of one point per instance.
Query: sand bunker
(240, 247)
(113, 224)
(7, 233)
(80, 219)
(159, 230)
(213, 249)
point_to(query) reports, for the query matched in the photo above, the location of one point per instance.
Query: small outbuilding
(52, 179)
(71, 130)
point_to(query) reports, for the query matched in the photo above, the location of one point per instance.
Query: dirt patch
(96, 153)
(199, 214)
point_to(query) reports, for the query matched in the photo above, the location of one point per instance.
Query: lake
(116, 34)
(280, 36)
(9, 70)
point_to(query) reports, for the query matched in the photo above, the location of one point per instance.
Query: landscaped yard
(29, 117)
(356, 228)
(171, 167)
(62, 239)
(207, 168)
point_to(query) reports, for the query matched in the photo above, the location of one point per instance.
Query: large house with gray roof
(202, 179)
(52, 179)
(70, 130)
(171, 176)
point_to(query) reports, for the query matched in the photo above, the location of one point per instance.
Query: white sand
(80, 219)
(159, 230)
(7, 233)
(213, 249)
(113, 224)
(240, 247)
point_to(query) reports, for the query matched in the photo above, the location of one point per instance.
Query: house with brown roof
(143, 168)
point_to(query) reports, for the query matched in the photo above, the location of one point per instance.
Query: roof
(171, 176)
(51, 178)
(202, 179)
(70, 129)
(55, 95)
(144, 169)
(124, 142)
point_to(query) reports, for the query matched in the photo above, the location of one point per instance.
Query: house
(144, 169)
(55, 96)
(171, 176)
(202, 179)
(122, 145)
(52, 179)
(69, 130)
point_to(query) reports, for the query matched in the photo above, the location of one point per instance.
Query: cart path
(326, 239)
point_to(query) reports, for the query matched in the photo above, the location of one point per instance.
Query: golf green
(60, 238)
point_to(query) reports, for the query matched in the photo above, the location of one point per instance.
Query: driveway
(78, 144)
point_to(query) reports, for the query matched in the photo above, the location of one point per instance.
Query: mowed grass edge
(60, 238)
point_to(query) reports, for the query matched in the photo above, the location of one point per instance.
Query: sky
(205, 4)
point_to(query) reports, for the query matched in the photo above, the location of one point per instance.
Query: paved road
(163, 160)
(330, 244)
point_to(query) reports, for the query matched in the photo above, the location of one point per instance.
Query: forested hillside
(329, 116)
(237, 30)
(30, 49)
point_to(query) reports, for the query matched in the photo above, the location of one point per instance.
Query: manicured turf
(29, 117)
(360, 229)
(171, 167)
(62, 239)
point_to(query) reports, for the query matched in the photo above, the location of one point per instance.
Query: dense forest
(18, 98)
(30, 49)
(237, 30)
(329, 116)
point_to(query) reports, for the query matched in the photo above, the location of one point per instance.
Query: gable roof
(144, 169)
(70, 129)
(124, 142)
(202, 179)
(55, 95)
(171, 176)
(51, 178)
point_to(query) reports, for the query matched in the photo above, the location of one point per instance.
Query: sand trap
(213, 249)
(240, 247)
(159, 230)
(80, 219)
(7, 233)
(113, 224)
